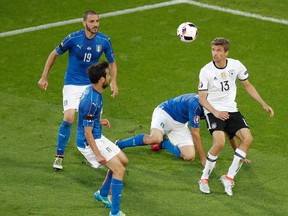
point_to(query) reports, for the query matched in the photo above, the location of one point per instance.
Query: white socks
(239, 156)
(210, 164)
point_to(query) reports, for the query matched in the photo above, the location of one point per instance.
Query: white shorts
(107, 148)
(178, 133)
(72, 95)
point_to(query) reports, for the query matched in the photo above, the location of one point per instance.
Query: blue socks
(131, 142)
(166, 144)
(63, 137)
(116, 186)
(105, 188)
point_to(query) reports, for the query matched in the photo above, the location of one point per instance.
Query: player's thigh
(180, 135)
(107, 148)
(88, 153)
(71, 96)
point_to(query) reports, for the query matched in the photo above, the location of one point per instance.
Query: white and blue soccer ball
(187, 32)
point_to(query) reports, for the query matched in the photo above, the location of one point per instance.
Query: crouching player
(96, 148)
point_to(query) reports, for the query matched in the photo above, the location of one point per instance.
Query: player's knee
(120, 171)
(125, 161)
(248, 140)
(188, 157)
(155, 140)
(219, 145)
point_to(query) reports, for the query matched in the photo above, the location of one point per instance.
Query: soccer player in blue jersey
(96, 148)
(171, 118)
(85, 47)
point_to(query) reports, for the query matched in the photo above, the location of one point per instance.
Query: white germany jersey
(221, 84)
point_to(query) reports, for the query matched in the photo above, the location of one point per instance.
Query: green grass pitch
(153, 65)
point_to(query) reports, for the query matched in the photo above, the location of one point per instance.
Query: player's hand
(246, 161)
(101, 159)
(114, 88)
(269, 110)
(105, 123)
(221, 115)
(43, 84)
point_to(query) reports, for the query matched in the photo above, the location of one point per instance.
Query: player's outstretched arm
(256, 96)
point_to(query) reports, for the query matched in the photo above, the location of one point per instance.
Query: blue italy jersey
(89, 113)
(184, 108)
(83, 52)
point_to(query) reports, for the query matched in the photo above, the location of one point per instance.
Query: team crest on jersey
(196, 119)
(98, 48)
(223, 75)
(231, 72)
(213, 125)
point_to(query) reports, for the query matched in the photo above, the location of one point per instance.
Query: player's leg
(238, 124)
(218, 144)
(118, 171)
(134, 141)
(179, 141)
(188, 152)
(155, 136)
(71, 98)
(116, 162)
(240, 153)
(235, 144)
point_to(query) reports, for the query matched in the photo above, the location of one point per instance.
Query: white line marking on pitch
(142, 8)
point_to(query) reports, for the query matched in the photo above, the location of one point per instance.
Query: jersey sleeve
(65, 45)
(89, 110)
(194, 117)
(109, 51)
(203, 81)
(243, 72)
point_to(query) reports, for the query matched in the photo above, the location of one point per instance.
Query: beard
(105, 85)
(92, 30)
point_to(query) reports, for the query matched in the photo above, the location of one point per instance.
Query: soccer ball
(187, 32)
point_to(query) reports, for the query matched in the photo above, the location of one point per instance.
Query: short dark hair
(89, 12)
(221, 42)
(96, 71)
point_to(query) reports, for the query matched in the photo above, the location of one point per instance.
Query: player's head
(220, 50)
(91, 21)
(99, 73)
(221, 42)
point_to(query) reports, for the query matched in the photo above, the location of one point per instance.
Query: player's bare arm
(198, 144)
(113, 84)
(256, 96)
(43, 82)
(204, 102)
(91, 141)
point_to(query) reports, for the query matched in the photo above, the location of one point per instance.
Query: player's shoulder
(233, 61)
(208, 66)
(76, 34)
(103, 36)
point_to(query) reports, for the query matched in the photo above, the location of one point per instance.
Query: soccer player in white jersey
(217, 93)
(85, 48)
